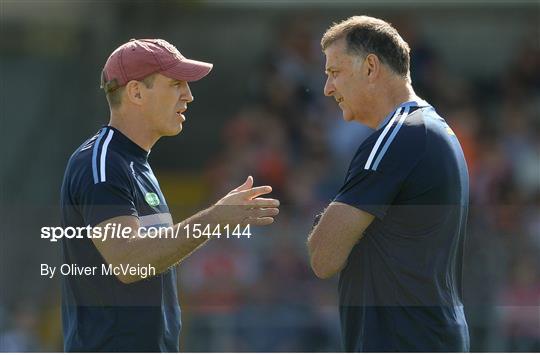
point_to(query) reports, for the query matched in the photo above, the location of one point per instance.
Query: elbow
(323, 274)
(120, 268)
(325, 261)
(127, 279)
(118, 265)
(323, 269)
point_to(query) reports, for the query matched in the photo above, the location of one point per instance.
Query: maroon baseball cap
(139, 58)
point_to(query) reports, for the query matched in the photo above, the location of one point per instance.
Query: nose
(329, 88)
(186, 93)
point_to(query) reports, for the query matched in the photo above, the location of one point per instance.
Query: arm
(241, 206)
(333, 238)
(374, 179)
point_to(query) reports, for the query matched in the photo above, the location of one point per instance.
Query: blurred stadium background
(262, 112)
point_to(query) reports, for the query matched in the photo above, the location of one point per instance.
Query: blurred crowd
(258, 294)
(290, 136)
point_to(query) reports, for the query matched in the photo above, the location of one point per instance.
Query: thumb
(248, 184)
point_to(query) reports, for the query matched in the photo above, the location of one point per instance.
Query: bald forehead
(337, 55)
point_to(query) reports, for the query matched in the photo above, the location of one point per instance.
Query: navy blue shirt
(400, 289)
(106, 177)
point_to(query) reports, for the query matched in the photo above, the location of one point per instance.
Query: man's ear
(134, 93)
(372, 66)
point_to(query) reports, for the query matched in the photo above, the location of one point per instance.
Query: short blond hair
(365, 35)
(114, 97)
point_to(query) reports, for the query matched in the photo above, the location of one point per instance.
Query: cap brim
(189, 70)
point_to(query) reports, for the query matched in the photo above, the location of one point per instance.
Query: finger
(263, 202)
(255, 191)
(264, 221)
(248, 184)
(264, 212)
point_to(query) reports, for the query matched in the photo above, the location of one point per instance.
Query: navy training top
(109, 176)
(400, 289)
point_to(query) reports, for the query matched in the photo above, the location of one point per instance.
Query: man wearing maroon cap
(129, 302)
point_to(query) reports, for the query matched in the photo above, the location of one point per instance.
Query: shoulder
(400, 142)
(437, 129)
(95, 162)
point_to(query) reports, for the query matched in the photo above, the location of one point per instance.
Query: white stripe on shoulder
(391, 138)
(380, 139)
(103, 157)
(96, 143)
(158, 219)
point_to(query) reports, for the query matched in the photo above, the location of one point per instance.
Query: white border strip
(156, 219)
(391, 138)
(102, 164)
(380, 139)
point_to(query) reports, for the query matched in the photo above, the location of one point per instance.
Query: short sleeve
(98, 202)
(377, 172)
(104, 201)
(371, 192)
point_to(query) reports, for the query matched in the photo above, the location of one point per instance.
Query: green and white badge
(152, 199)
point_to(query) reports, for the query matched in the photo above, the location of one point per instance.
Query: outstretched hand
(244, 206)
